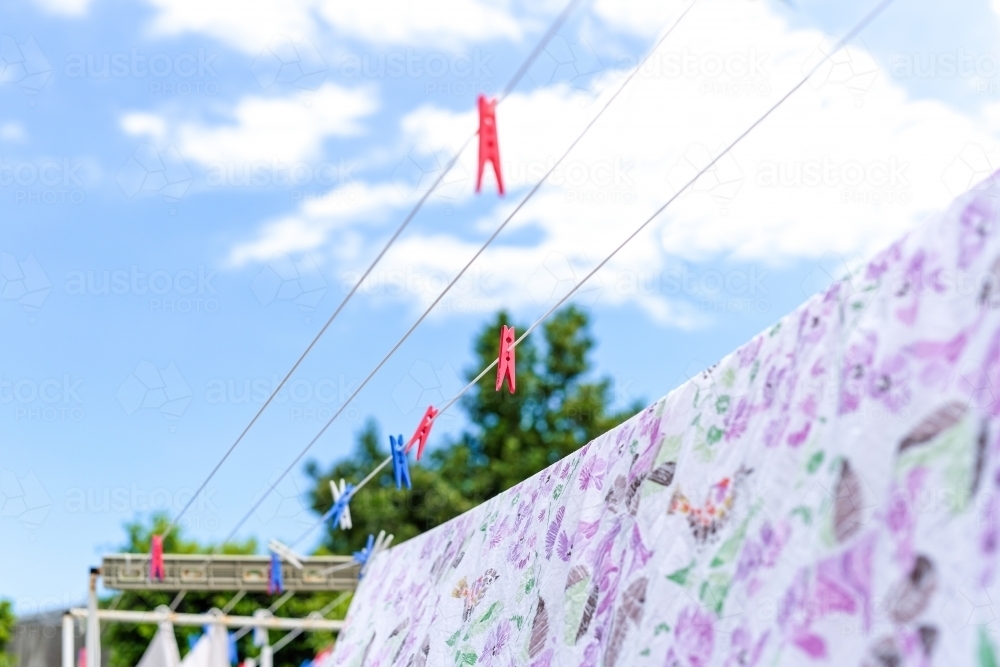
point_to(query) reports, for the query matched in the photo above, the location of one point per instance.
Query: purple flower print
(977, 223)
(910, 289)
(496, 640)
(878, 266)
(522, 549)
(592, 474)
(890, 383)
(854, 374)
(772, 386)
(564, 548)
(843, 583)
(796, 438)
(552, 534)
(901, 514)
(761, 553)
(795, 615)
(545, 659)
(498, 533)
(939, 358)
(774, 430)
(743, 652)
(812, 322)
(640, 554)
(748, 353)
(737, 419)
(693, 639)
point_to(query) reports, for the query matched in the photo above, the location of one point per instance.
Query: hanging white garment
(162, 651)
(211, 650)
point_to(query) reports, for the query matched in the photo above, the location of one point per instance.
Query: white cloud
(65, 7)
(13, 132)
(446, 24)
(846, 165)
(273, 130)
(249, 25)
(317, 220)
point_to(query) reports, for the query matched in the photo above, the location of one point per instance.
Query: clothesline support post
(67, 641)
(93, 623)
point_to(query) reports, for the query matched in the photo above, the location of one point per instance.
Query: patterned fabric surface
(824, 495)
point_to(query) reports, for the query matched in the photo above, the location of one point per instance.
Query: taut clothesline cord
(448, 287)
(485, 245)
(518, 75)
(844, 40)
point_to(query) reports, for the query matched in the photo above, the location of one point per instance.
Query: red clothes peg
(505, 366)
(423, 430)
(489, 149)
(156, 569)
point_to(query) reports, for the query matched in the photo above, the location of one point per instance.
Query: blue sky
(188, 188)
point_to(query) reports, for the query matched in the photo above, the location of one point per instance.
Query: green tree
(127, 642)
(555, 410)
(7, 623)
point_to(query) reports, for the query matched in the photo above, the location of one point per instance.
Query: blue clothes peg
(400, 466)
(338, 507)
(274, 582)
(361, 557)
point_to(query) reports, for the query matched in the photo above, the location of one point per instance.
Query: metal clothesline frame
(262, 618)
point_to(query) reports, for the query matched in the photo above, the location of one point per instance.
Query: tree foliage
(126, 642)
(7, 624)
(555, 410)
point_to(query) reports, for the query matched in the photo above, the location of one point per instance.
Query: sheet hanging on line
(162, 651)
(211, 649)
(827, 494)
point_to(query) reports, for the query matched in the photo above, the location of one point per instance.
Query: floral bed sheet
(827, 494)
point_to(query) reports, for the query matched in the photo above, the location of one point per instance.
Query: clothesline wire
(448, 287)
(485, 245)
(868, 18)
(515, 79)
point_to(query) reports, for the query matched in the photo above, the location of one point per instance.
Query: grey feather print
(935, 423)
(629, 611)
(588, 611)
(539, 629)
(553, 532)
(910, 597)
(664, 474)
(848, 504)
